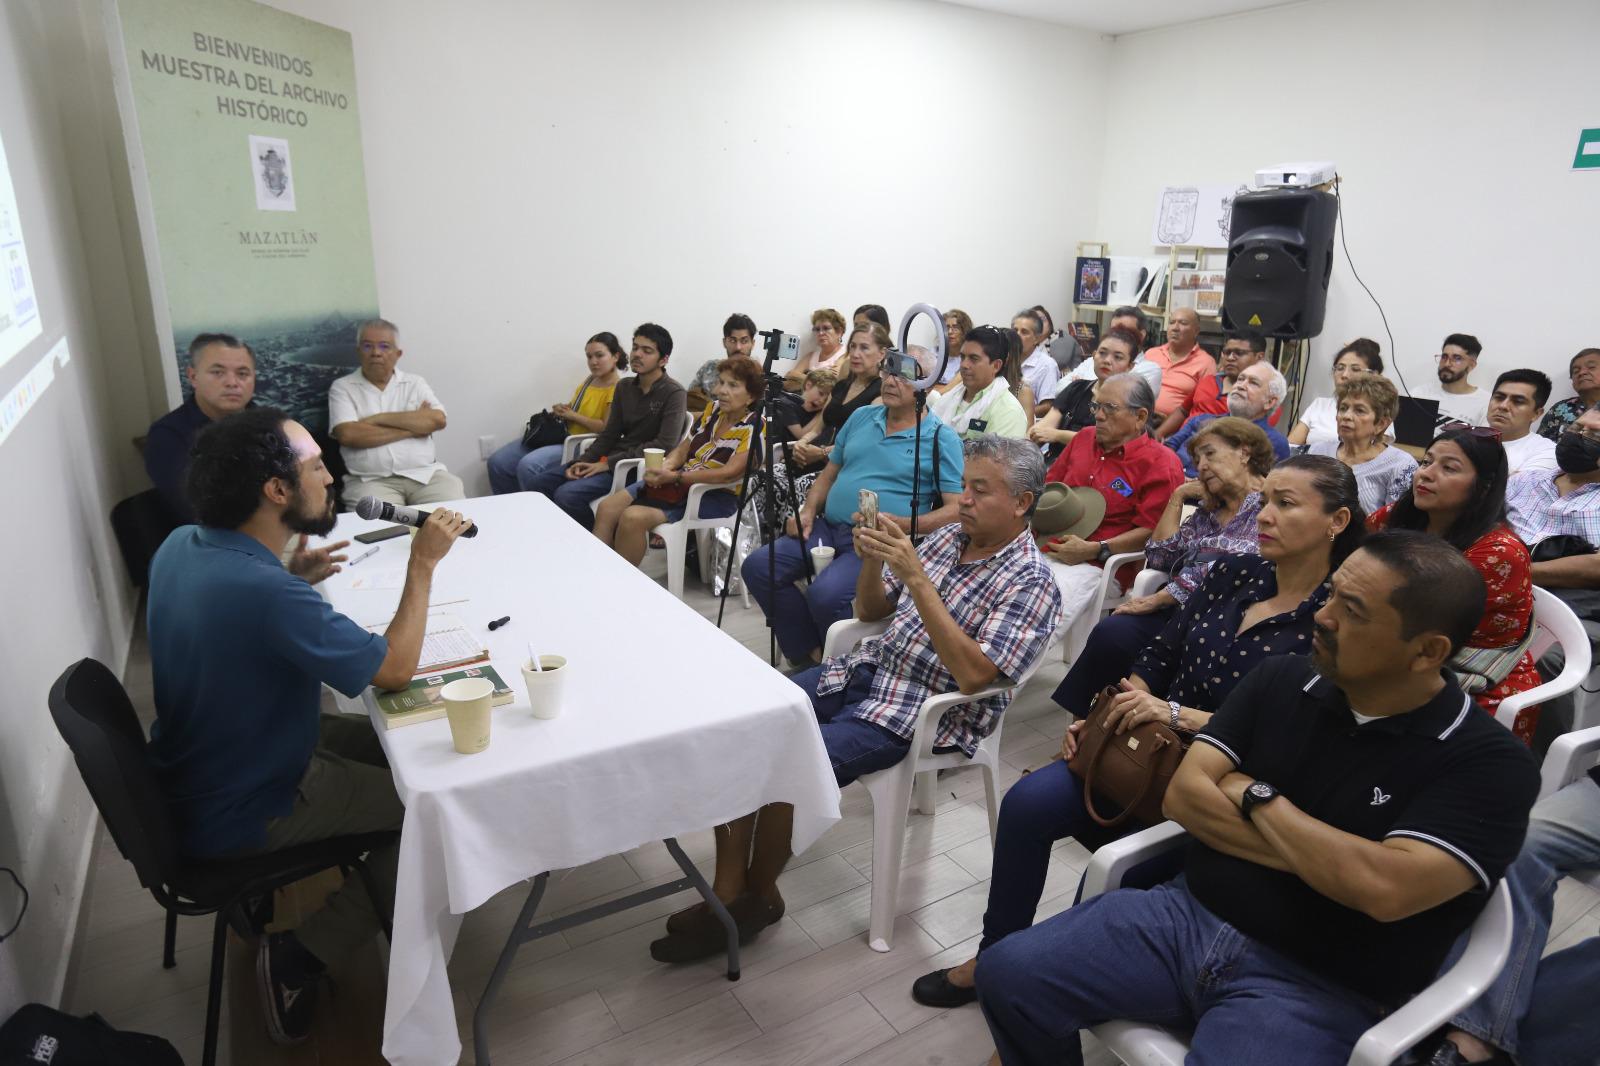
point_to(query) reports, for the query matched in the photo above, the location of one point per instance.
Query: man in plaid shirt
(973, 606)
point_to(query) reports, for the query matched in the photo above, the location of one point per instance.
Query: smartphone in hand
(867, 505)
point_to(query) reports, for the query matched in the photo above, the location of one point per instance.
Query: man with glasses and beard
(240, 646)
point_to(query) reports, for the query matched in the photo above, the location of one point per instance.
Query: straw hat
(1065, 510)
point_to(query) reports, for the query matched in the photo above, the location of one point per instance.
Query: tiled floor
(812, 992)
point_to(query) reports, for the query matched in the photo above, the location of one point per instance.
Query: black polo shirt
(166, 454)
(1446, 773)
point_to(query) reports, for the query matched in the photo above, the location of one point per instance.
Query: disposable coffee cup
(654, 457)
(821, 556)
(467, 703)
(545, 685)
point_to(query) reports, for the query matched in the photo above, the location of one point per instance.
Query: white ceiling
(1119, 16)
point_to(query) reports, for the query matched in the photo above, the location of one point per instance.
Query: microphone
(384, 511)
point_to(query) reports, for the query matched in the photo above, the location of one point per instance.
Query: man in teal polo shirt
(240, 647)
(874, 451)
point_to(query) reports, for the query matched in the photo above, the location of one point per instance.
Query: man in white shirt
(1515, 405)
(384, 420)
(1039, 371)
(1459, 399)
(1131, 320)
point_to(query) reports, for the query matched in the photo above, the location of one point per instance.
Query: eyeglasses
(1095, 407)
(1586, 434)
(822, 329)
(1444, 357)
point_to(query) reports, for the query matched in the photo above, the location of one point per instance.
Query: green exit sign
(1588, 157)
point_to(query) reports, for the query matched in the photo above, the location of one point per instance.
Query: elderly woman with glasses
(1367, 405)
(1133, 472)
(827, 328)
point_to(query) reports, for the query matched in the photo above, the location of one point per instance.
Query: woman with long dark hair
(1459, 494)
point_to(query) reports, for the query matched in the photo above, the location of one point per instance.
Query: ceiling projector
(1294, 175)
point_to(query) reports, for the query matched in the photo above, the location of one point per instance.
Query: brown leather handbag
(1131, 770)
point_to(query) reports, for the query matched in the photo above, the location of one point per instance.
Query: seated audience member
(1015, 378)
(867, 314)
(513, 466)
(1319, 422)
(1515, 404)
(1367, 405)
(983, 402)
(240, 647)
(957, 324)
(860, 388)
(1131, 471)
(1130, 319)
(1248, 609)
(794, 416)
(1349, 820)
(738, 341)
(384, 420)
(647, 412)
(1256, 396)
(1039, 371)
(1539, 1010)
(1239, 352)
(1073, 409)
(1459, 399)
(1542, 507)
(222, 381)
(1459, 494)
(827, 329)
(716, 452)
(874, 450)
(1233, 457)
(1584, 373)
(968, 608)
(1184, 364)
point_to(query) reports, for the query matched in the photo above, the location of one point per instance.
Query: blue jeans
(1158, 956)
(1108, 656)
(571, 495)
(1543, 1011)
(513, 467)
(854, 747)
(801, 619)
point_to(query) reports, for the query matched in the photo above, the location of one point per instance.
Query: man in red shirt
(1239, 352)
(1133, 471)
(1184, 364)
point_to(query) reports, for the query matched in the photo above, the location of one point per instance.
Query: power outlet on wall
(485, 447)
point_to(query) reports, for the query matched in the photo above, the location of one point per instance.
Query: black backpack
(41, 1036)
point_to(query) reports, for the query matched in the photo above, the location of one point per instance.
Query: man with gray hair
(1256, 396)
(971, 606)
(384, 420)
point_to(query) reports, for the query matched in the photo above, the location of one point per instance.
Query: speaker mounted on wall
(1280, 253)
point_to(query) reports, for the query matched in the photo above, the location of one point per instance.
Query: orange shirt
(1179, 379)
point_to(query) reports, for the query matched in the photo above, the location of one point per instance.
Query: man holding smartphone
(876, 449)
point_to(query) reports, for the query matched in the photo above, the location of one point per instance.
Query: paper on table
(381, 579)
(446, 642)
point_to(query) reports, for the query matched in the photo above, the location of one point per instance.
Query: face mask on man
(1577, 455)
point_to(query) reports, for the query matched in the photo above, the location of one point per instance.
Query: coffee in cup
(467, 704)
(545, 685)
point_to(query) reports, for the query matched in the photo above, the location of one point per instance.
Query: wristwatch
(1258, 793)
(1176, 708)
(1105, 550)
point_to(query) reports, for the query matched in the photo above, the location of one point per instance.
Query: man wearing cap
(1117, 482)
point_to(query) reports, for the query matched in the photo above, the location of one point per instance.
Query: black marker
(498, 622)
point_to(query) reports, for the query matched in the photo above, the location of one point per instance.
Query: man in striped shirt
(974, 605)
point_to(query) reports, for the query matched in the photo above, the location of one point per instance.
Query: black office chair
(99, 724)
(141, 523)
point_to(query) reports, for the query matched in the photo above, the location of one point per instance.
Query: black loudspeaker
(1280, 252)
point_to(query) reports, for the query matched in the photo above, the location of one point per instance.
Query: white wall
(65, 592)
(539, 172)
(1454, 124)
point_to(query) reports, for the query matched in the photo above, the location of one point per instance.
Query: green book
(422, 700)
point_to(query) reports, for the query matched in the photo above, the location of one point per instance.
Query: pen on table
(366, 554)
(498, 622)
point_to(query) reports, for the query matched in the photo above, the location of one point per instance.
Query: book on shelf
(422, 700)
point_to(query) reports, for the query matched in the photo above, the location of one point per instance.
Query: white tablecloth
(669, 726)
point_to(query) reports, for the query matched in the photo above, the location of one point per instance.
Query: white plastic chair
(630, 469)
(1108, 598)
(1568, 759)
(1148, 582)
(891, 789)
(1145, 1044)
(1555, 624)
(574, 445)
(676, 534)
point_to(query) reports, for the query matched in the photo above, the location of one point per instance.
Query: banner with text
(246, 122)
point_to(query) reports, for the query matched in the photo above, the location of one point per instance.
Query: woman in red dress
(1458, 493)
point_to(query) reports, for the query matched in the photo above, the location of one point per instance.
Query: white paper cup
(467, 703)
(654, 457)
(821, 556)
(545, 686)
